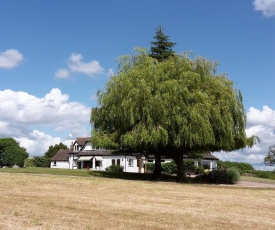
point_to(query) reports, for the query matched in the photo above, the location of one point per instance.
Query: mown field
(38, 200)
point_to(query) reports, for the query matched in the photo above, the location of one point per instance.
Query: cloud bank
(10, 59)
(38, 123)
(262, 124)
(267, 7)
(77, 65)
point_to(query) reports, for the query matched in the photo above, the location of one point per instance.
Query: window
(150, 161)
(118, 162)
(131, 162)
(54, 163)
(113, 162)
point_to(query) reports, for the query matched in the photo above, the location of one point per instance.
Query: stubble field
(29, 201)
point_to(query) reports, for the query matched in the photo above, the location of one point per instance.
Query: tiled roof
(61, 155)
(99, 152)
(82, 140)
(209, 156)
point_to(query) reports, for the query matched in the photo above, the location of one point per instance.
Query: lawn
(47, 201)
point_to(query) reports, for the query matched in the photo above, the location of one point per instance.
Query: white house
(82, 155)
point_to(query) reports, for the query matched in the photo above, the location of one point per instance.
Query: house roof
(98, 152)
(61, 155)
(82, 140)
(209, 156)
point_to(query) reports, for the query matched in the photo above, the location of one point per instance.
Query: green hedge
(263, 174)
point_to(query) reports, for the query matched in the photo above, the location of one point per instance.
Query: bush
(37, 161)
(220, 176)
(169, 167)
(199, 170)
(150, 167)
(189, 166)
(233, 175)
(114, 168)
(29, 163)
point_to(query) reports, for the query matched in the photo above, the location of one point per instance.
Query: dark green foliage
(150, 167)
(169, 167)
(242, 167)
(161, 48)
(199, 170)
(189, 166)
(220, 176)
(270, 158)
(54, 149)
(114, 168)
(11, 153)
(37, 162)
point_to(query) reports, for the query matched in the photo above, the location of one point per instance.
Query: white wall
(60, 164)
(88, 146)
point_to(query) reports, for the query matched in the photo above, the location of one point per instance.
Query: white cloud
(262, 124)
(24, 117)
(62, 74)
(10, 59)
(266, 6)
(77, 65)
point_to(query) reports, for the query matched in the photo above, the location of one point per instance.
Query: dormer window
(76, 147)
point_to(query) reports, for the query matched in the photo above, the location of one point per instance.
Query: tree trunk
(157, 170)
(180, 173)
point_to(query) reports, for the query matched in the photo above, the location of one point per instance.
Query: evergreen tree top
(161, 48)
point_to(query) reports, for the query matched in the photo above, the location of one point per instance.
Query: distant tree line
(45, 161)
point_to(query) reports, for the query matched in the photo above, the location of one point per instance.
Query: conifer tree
(161, 48)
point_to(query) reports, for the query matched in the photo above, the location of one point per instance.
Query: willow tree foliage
(173, 107)
(161, 48)
(270, 158)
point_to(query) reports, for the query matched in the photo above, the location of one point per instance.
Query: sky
(55, 55)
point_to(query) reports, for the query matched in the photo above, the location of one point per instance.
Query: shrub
(189, 166)
(233, 175)
(114, 168)
(169, 167)
(220, 176)
(199, 170)
(150, 167)
(29, 162)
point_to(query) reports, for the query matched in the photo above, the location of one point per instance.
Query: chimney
(72, 147)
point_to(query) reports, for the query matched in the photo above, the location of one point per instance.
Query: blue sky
(55, 56)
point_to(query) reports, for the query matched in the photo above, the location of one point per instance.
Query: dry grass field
(29, 201)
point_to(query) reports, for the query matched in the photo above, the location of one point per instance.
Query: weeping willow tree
(173, 107)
